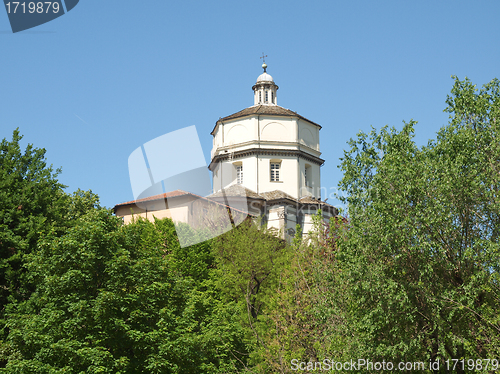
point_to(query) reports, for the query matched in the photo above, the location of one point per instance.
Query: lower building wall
(178, 214)
(203, 214)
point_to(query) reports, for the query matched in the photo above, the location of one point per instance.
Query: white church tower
(272, 153)
(267, 147)
(265, 163)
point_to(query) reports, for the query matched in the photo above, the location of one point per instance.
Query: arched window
(266, 97)
(272, 97)
(260, 97)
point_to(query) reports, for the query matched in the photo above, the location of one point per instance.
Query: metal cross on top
(263, 58)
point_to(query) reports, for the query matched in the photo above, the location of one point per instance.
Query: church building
(266, 156)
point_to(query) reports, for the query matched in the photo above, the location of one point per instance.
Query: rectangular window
(307, 176)
(266, 98)
(275, 171)
(239, 174)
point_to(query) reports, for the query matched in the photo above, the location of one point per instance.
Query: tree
(32, 202)
(114, 298)
(32, 205)
(249, 261)
(301, 322)
(421, 256)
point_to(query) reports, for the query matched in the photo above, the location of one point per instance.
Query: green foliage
(33, 205)
(307, 320)
(282, 293)
(31, 202)
(412, 275)
(78, 204)
(117, 299)
(420, 260)
(249, 261)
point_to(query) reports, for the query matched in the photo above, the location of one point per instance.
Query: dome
(265, 89)
(264, 77)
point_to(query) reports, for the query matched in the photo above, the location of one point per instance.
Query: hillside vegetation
(411, 273)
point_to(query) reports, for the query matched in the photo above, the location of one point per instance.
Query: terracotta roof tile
(156, 197)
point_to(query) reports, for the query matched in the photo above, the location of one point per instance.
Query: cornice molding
(285, 201)
(268, 143)
(265, 152)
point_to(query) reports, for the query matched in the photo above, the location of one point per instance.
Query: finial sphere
(264, 65)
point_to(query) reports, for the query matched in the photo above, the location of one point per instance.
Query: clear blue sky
(98, 82)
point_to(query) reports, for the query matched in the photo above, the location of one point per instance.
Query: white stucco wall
(288, 175)
(262, 128)
(267, 132)
(308, 134)
(129, 213)
(314, 177)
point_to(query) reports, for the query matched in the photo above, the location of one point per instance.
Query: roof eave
(236, 116)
